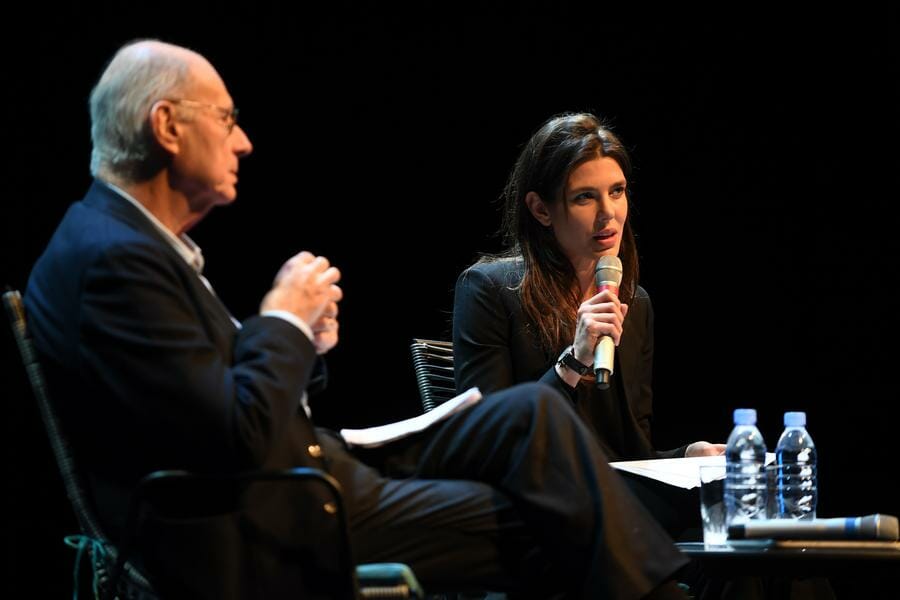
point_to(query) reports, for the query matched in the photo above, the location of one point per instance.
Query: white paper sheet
(376, 436)
(680, 472)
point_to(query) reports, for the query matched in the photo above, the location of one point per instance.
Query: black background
(765, 146)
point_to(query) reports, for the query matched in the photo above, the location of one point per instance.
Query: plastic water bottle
(745, 473)
(797, 491)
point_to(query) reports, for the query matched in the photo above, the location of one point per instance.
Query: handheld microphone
(607, 276)
(870, 527)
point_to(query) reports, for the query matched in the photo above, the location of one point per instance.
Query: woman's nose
(605, 207)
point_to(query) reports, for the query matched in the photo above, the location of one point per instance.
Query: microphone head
(608, 272)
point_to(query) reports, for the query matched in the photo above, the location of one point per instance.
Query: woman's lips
(606, 238)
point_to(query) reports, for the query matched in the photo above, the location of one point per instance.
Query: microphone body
(607, 276)
(871, 527)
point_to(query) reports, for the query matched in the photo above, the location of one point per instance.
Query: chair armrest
(186, 480)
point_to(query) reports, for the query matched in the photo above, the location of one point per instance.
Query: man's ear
(165, 126)
(538, 209)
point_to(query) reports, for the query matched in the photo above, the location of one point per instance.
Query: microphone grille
(608, 269)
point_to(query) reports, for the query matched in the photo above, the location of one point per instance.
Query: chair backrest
(103, 553)
(433, 366)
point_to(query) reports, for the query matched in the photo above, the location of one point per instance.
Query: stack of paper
(382, 434)
(680, 472)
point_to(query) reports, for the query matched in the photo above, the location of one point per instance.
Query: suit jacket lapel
(103, 198)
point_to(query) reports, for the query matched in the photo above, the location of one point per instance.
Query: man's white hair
(138, 75)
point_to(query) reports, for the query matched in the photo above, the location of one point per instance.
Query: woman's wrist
(569, 361)
(570, 378)
(570, 369)
(585, 360)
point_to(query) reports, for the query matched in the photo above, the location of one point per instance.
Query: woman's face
(589, 220)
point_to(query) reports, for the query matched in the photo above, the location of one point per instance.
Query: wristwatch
(567, 360)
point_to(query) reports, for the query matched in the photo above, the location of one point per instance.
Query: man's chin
(226, 195)
(225, 199)
(205, 202)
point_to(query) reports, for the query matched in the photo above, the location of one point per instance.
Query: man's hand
(306, 286)
(325, 330)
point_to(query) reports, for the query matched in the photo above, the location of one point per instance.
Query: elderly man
(511, 493)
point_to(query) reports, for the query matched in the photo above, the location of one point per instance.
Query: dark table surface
(798, 558)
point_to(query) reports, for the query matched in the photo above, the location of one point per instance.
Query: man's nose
(242, 145)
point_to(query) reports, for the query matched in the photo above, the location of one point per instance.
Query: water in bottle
(797, 491)
(745, 474)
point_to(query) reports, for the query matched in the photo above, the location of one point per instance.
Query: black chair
(114, 575)
(433, 366)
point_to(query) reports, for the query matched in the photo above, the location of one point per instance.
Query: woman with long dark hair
(533, 313)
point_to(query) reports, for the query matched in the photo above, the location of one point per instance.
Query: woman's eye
(584, 197)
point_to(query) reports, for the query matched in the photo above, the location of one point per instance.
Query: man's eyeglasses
(229, 117)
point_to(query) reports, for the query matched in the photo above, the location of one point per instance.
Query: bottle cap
(795, 419)
(745, 416)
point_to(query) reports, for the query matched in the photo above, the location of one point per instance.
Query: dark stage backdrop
(765, 147)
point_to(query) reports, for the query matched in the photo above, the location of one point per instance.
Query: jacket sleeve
(481, 353)
(150, 346)
(482, 330)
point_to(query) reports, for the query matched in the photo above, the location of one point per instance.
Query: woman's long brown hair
(549, 291)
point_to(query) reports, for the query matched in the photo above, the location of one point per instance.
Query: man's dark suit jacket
(149, 372)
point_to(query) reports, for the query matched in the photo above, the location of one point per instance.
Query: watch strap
(567, 359)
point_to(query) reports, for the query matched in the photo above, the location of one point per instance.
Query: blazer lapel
(103, 198)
